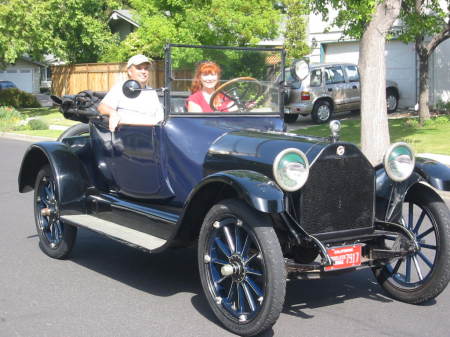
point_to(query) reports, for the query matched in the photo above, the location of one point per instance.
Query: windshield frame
(278, 84)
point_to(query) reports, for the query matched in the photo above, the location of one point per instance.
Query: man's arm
(114, 117)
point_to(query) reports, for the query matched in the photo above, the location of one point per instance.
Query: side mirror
(300, 69)
(131, 89)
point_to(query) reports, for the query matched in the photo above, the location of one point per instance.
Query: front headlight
(399, 161)
(291, 169)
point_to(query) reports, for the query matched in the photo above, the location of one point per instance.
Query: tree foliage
(427, 24)
(72, 30)
(295, 36)
(198, 22)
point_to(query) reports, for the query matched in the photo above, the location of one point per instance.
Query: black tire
(391, 100)
(241, 267)
(322, 112)
(290, 118)
(56, 239)
(432, 262)
(79, 129)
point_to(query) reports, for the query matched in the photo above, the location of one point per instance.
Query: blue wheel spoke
(240, 298)
(249, 297)
(222, 246)
(229, 239)
(408, 269)
(237, 235)
(218, 261)
(416, 264)
(428, 231)
(419, 222)
(425, 259)
(424, 245)
(253, 271)
(410, 215)
(397, 266)
(254, 286)
(231, 291)
(251, 258)
(246, 246)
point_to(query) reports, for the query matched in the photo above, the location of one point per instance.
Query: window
(334, 75)
(316, 78)
(352, 73)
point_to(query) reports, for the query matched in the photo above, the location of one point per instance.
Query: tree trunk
(424, 82)
(374, 123)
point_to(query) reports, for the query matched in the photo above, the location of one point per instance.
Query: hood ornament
(335, 128)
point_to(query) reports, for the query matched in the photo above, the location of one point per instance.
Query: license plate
(344, 257)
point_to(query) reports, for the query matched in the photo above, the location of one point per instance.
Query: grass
(51, 116)
(432, 138)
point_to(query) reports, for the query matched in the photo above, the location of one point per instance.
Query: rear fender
(70, 174)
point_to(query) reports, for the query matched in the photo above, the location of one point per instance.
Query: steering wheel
(243, 92)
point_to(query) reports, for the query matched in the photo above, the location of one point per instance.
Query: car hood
(256, 151)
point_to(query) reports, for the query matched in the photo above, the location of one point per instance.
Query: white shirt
(144, 109)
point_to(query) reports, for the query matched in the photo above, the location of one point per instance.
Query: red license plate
(344, 257)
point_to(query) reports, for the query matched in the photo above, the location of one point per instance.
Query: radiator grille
(339, 194)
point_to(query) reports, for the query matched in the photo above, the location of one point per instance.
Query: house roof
(123, 14)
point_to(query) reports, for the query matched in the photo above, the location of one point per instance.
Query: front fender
(390, 194)
(71, 177)
(434, 172)
(256, 189)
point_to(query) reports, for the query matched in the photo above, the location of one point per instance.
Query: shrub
(9, 118)
(18, 98)
(437, 121)
(37, 124)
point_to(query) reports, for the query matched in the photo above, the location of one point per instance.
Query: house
(330, 45)
(121, 22)
(26, 74)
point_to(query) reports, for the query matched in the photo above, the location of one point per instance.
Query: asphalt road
(108, 289)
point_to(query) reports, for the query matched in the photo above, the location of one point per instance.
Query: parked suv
(329, 88)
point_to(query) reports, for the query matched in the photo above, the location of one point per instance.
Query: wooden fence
(71, 79)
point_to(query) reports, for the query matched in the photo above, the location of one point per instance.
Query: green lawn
(51, 116)
(434, 137)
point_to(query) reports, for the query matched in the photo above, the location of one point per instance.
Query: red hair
(204, 68)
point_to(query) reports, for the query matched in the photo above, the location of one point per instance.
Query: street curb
(27, 138)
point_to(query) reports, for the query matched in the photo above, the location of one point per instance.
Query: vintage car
(260, 204)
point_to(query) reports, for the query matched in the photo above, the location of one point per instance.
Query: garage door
(400, 65)
(22, 77)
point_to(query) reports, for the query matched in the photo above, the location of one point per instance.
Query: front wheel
(241, 267)
(423, 275)
(56, 239)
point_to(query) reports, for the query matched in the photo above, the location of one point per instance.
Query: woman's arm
(194, 107)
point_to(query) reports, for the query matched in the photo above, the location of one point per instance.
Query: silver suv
(329, 88)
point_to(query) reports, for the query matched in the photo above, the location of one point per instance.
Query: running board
(117, 232)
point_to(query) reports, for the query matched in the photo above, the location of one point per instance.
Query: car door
(139, 162)
(335, 86)
(353, 89)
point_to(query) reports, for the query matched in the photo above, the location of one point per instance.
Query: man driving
(145, 109)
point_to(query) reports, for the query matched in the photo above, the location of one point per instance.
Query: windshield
(217, 80)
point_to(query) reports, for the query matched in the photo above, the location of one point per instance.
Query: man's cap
(137, 59)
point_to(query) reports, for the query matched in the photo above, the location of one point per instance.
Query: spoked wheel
(243, 92)
(55, 238)
(423, 275)
(241, 267)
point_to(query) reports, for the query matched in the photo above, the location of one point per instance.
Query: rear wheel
(79, 129)
(56, 239)
(421, 276)
(391, 101)
(321, 112)
(241, 267)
